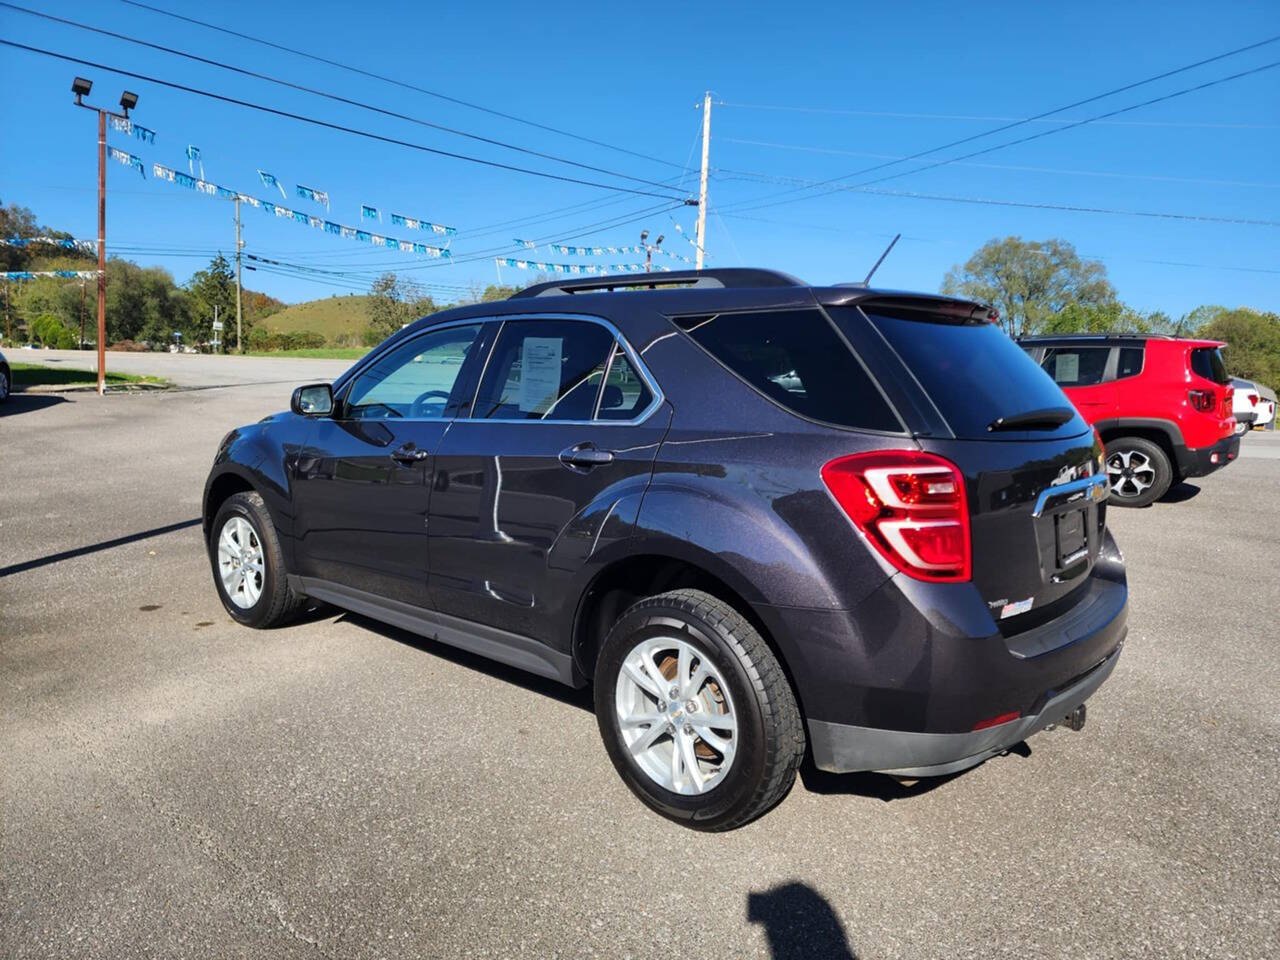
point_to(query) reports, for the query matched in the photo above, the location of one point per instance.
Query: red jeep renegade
(1161, 405)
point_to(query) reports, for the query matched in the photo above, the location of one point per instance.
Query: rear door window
(1075, 366)
(544, 370)
(973, 372)
(1207, 362)
(798, 360)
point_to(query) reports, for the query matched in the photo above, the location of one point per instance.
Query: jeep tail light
(911, 506)
(1202, 400)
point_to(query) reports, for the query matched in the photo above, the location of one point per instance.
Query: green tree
(49, 330)
(215, 286)
(393, 303)
(1252, 340)
(1110, 317)
(1029, 281)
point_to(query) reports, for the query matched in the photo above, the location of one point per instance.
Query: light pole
(648, 250)
(81, 88)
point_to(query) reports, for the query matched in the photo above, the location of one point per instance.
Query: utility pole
(702, 190)
(8, 324)
(81, 88)
(239, 247)
(80, 345)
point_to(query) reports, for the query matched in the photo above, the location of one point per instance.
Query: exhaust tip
(1075, 719)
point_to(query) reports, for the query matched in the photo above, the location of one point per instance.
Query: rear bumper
(901, 681)
(1202, 461)
(844, 748)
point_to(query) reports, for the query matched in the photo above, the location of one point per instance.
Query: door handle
(408, 453)
(585, 456)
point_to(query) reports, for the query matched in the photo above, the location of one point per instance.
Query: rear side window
(1130, 364)
(1207, 362)
(797, 360)
(973, 372)
(625, 394)
(1075, 366)
(544, 370)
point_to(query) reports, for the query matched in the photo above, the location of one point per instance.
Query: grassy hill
(332, 318)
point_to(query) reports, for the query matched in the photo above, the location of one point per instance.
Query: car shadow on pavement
(29, 402)
(881, 786)
(800, 924)
(549, 688)
(1180, 493)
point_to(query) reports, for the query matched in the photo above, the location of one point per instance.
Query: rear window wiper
(1033, 420)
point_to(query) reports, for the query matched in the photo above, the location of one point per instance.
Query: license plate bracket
(1069, 536)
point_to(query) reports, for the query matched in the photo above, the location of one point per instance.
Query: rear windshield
(797, 360)
(1207, 362)
(973, 372)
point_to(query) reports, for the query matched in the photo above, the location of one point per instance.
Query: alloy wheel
(241, 564)
(1130, 472)
(676, 715)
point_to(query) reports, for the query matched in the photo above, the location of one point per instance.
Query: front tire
(1139, 471)
(248, 564)
(695, 711)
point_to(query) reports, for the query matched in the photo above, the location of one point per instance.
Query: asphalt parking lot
(173, 785)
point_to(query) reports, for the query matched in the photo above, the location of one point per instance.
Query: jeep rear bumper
(844, 748)
(1202, 461)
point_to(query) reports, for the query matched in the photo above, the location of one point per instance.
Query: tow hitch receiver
(1075, 719)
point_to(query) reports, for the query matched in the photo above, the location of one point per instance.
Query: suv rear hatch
(1031, 466)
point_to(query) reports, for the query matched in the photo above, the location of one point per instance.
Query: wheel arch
(1162, 433)
(220, 488)
(627, 579)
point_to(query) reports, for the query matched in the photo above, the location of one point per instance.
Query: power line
(336, 126)
(973, 117)
(1203, 218)
(330, 96)
(997, 166)
(399, 83)
(1046, 113)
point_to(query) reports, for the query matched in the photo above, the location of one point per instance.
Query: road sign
(217, 324)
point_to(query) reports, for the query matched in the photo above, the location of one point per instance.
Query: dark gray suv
(760, 518)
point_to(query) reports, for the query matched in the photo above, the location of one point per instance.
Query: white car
(1266, 408)
(1244, 404)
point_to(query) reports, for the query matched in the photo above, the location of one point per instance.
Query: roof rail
(1100, 336)
(726, 277)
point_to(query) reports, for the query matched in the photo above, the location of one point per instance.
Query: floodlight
(128, 101)
(81, 87)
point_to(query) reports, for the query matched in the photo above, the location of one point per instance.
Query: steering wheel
(418, 409)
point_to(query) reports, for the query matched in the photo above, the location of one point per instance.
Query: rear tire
(248, 564)
(724, 749)
(1139, 471)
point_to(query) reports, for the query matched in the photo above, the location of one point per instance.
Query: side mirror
(313, 400)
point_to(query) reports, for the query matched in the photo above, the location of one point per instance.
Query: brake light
(911, 506)
(1202, 400)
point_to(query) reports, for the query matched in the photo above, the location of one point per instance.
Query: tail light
(1099, 453)
(912, 508)
(1202, 400)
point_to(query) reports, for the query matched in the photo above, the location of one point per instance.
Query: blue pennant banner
(161, 172)
(414, 224)
(369, 213)
(125, 125)
(573, 268)
(129, 160)
(32, 274)
(269, 180)
(67, 242)
(319, 196)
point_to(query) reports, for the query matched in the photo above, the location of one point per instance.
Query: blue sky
(848, 86)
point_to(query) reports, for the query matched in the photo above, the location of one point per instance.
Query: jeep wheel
(695, 711)
(1139, 471)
